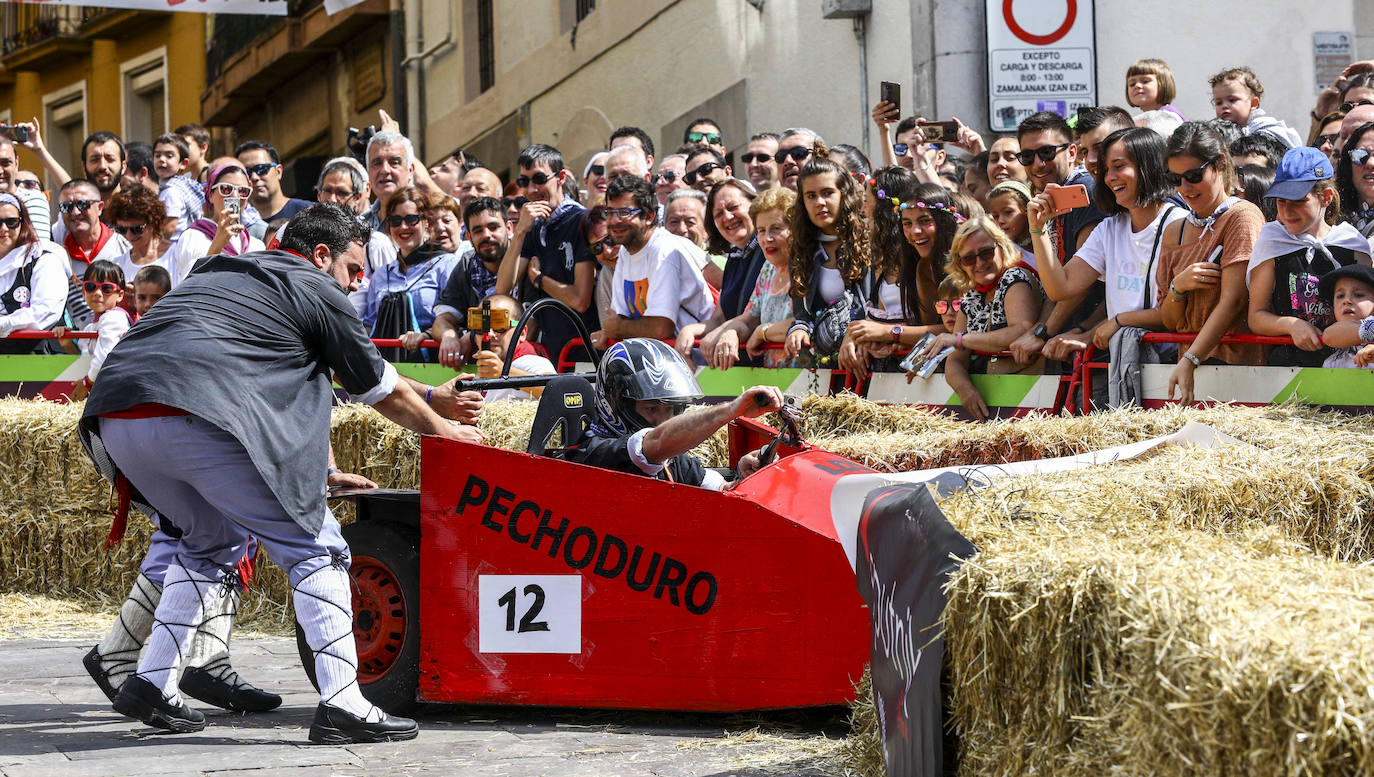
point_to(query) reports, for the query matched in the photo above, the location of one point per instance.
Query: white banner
(259, 7)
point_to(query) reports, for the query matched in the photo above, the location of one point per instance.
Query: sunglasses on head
(136, 231)
(943, 306)
(230, 190)
(410, 220)
(11, 223)
(1346, 107)
(709, 138)
(667, 176)
(705, 169)
(91, 287)
(987, 254)
(35, 185)
(597, 170)
(798, 153)
(539, 179)
(262, 169)
(76, 206)
(1046, 153)
(1193, 176)
(757, 157)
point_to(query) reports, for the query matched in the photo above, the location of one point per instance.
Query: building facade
(78, 70)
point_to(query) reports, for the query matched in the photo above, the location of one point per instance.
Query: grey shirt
(249, 343)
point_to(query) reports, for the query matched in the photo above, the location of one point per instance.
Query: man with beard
(103, 157)
(472, 280)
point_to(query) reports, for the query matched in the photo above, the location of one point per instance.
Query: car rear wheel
(386, 613)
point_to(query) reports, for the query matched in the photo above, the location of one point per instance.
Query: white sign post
(1041, 57)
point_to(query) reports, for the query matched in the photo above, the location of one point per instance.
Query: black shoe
(141, 700)
(334, 726)
(97, 672)
(226, 690)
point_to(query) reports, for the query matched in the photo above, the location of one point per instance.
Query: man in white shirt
(657, 287)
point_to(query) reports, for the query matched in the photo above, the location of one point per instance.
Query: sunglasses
(900, 149)
(514, 202)
(76, 206)
(1193, 176)
(539, 179)
(606, 243)
(760, 158)
(1359, 157)
(709, 138)
(343, 194)
(136, 231)
(622, 213)
(410, 220)
(798, 153)
(26, 184)
(982, 255)
(91, 287)
(230, 190)
(262, 169)
(1324, 140)
(597, 170)
(1345, 107)
(1046, 153)
(705, 169)
(667, 176)
(11, 223)
(943, 306)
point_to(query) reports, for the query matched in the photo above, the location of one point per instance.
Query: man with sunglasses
(28, 187)
(759, 166)
(88, 238)
(794, 148)
(473, 278)
(543, 259)
(706, 168)
(227, 451)
(1051, 159)
(263, 164)
(668, 179)
(706, 132)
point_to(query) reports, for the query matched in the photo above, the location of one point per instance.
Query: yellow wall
(183, 35)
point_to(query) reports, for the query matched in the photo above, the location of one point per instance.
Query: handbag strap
(1154, 254)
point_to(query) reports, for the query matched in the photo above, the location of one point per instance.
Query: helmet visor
(663, 375)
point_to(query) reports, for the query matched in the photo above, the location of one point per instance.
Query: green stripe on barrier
(732, 382)
(1002, 390)
(1318, 386)
(33, 367)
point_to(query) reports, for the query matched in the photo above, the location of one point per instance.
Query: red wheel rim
(379, 618)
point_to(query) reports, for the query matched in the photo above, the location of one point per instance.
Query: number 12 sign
(529, 613)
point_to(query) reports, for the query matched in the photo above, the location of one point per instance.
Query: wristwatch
(539, 281)
(897, 335)
(1042, 332)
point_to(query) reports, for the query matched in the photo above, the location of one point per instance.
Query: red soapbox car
(515, 578)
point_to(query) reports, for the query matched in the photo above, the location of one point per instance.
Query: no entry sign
(1041, 57)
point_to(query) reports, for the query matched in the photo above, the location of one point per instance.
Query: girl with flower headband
(222, 231)
(33, 277)
(829, 257)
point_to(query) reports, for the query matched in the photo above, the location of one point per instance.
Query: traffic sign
(1041, 57)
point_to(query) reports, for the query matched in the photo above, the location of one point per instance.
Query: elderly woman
(401, 296)
(138, 215)
(1001, 302)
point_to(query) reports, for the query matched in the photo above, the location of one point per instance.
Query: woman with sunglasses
(1355, 179)
(33, 278)
(730, 232)
(594, 179)
(1131, 186)
(138, 216)
(222, 231)
(401, 296)
(1001, 302)
(1200, 278)
(1326, 135)
(603, 248)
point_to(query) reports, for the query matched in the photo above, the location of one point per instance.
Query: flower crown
(899, 206)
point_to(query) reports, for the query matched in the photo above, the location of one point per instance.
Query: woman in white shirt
(33, 277)
(222, 232)
(1122, 251)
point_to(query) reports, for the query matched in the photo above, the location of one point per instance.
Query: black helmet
(641, 368)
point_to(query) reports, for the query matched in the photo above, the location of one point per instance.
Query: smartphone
(17, 134)
(234, 205)
(939, 131)
(890, 92)
(1066, 198)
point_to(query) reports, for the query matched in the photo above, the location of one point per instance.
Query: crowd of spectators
(1074, 233)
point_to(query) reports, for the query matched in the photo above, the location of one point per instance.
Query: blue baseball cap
(1300, 169)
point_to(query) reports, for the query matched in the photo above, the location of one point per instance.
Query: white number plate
(529, 613)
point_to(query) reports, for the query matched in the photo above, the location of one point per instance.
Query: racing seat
(566, 406)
